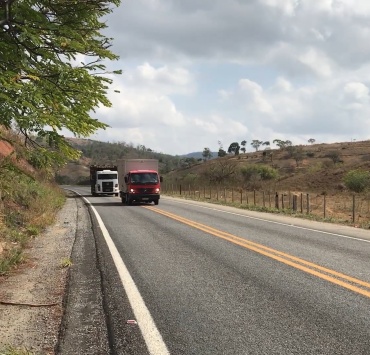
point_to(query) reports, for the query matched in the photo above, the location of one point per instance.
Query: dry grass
(28, 203)
(344, 208)
(316, 176)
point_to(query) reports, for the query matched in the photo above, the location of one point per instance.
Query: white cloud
(196, 72)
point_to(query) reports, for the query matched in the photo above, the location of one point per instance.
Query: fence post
(308, 203)
(254, 197)
(301, 202)
(232, 195)
(263, 198)
(353, 208)
(282, 201)
(295, 200)
(180, 189)
(324, 206)
(241, 196)
(277, 200)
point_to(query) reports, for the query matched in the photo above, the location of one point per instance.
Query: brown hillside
(316, 172)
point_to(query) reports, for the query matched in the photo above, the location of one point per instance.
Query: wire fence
(353, 209)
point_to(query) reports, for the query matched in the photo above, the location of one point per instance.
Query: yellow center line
(298, 263)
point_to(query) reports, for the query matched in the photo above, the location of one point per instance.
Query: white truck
(139, 180)
(104, 180)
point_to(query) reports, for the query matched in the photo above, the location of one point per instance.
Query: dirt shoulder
(31, 297)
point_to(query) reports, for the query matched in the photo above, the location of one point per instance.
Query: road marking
(275, 222)
(151, 335)
(348, 282)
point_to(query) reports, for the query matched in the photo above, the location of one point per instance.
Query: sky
(206, 73)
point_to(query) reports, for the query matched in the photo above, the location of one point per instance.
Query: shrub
(357, 180)
(264, 172)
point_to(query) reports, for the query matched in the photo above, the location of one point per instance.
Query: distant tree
(334, 155)
(221, 172)
(282, 144)
(279, 143)
(357, 180)
(298, 155)
(243, 143)
(288, 143)
(207, 154)
(234, 148)
(256, 144)
(267, 144)
(311, 141)
(221, 153)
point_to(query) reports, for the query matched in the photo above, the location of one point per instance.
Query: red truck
(139, 180)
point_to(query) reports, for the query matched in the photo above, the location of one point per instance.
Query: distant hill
(198, 155)
(316, 167)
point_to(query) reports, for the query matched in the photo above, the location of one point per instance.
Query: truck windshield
(144, 178)
(107, 176)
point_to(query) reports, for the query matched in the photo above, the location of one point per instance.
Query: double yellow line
(335, 277)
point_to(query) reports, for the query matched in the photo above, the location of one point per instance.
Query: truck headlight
(157, 191)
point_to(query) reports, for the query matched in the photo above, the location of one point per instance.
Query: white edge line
(152, 337)
(279, 223)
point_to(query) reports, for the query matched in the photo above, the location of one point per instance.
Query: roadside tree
(52, 72)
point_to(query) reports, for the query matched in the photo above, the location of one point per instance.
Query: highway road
(186, 277)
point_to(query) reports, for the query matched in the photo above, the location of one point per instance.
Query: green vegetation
(10, 350)
(66, 262)
(357, 180)
(44, 88)
(28, 203)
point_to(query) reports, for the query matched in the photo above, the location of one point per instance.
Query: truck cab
(141, 186)
(104, 180)
(139, 180)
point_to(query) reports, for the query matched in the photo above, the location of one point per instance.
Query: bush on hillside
(357, 180)
(253, 175)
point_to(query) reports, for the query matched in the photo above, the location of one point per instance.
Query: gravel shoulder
(32, 297)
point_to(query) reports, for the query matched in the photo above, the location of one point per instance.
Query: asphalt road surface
(186, 277)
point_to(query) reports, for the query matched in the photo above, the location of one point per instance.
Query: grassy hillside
(319, 168)
(95, 152)
(29, 200)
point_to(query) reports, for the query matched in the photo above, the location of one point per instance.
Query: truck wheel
(116, 195)
(156, 202)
